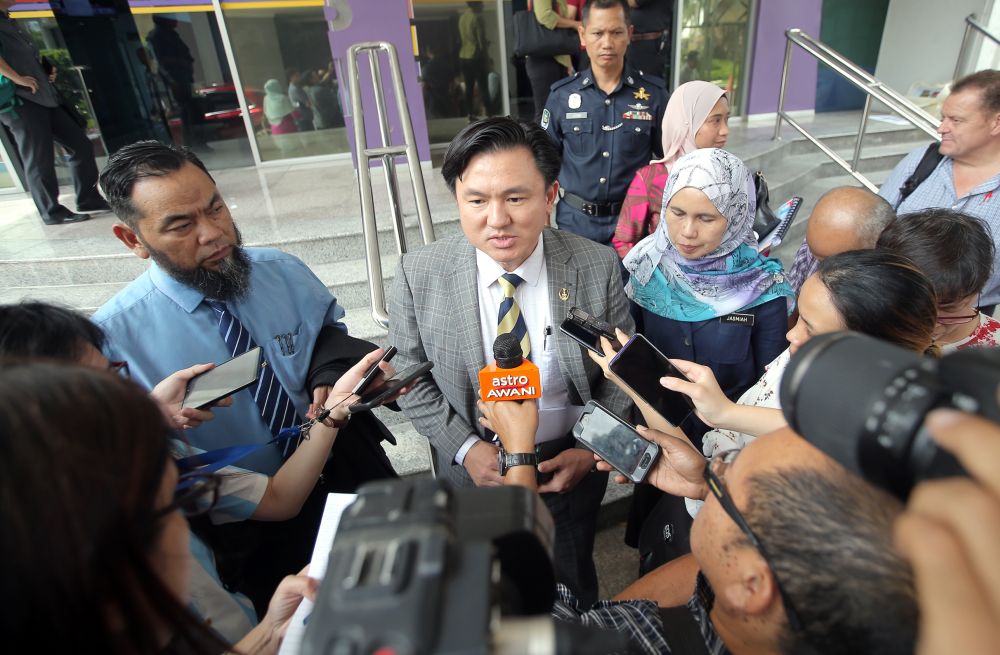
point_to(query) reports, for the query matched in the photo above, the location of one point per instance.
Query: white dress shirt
(555, 415)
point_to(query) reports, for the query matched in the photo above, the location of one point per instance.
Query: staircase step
(811, 194)
(124, 267)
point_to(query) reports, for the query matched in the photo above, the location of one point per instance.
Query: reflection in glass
(460, 63)
(192, 82)
(284, 52)
(713, 41)
(6, 174)
(69, 81)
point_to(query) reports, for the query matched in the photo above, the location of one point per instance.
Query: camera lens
(863, 402)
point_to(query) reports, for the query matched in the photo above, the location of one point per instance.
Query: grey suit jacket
(434, 316)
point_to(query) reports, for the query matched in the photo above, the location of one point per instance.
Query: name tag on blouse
(739, 319)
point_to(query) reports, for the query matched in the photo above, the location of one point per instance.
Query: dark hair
(987, 81)
(829, 537)
(137, 161)
(953, 249)
(499, 134)
(884, 295)
(37, 329)
(606, 4)
(82, 459)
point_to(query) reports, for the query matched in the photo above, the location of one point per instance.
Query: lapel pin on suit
(564, 294)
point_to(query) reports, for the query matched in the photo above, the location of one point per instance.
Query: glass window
(459, 45)
(69, 80)
(193, 84)
(713, 41)
(284, 60)
(6, 173)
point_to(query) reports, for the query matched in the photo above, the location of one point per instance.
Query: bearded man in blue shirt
(205, 298)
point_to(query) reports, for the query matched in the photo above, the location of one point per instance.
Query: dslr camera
(863, 402)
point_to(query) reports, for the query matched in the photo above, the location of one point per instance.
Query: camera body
(863, 402)
(417, 567)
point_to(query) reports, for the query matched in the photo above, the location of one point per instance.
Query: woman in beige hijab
(697, 116)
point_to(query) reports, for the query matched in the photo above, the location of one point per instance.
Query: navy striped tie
(509, 318)
(276, 408)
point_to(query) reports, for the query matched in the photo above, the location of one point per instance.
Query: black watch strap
(508, 461)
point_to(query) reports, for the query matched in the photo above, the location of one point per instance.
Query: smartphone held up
(616, 441)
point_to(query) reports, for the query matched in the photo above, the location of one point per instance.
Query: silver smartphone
(616, 441)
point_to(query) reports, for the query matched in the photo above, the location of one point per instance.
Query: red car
(217, 114)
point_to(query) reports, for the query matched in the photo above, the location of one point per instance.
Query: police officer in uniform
(606, 121)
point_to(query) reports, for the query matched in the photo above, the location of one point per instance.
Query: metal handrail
(387, 153)
(971, 23)
(863, 80)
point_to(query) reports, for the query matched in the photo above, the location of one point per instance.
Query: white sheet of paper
(335, 506)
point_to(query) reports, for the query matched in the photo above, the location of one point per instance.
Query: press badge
(739, 319)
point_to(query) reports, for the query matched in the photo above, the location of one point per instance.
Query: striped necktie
(510, 318)
(276, 408)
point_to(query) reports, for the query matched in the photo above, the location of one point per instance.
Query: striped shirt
(938, 190)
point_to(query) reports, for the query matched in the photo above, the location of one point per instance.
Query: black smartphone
(616, 441)
(223, 380)
(640, 365)
(392, 386)
(587, 330)
(373, 372)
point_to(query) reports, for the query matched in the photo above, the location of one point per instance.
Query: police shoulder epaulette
(563, 82)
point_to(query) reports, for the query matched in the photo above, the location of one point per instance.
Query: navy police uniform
(604, 140)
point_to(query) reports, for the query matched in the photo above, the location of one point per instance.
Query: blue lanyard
(212, 460)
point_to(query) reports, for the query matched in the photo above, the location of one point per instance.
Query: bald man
(831, 581)
(845, 218)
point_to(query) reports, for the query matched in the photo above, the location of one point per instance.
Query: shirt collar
(700, 605)
(630, 77)
(186, 297)
(529, 270)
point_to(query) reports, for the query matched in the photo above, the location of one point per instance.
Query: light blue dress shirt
(160, 326)
(938, 190)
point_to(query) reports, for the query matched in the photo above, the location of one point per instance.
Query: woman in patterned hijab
(705, 293)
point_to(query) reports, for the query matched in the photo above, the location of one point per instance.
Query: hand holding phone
(616, 441)
(587, 330)
(373, 372)
(224, 380)
(640, 365)
(392, 387)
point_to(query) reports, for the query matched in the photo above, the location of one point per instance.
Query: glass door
(282, 51)
(713, 42)
(193, 83)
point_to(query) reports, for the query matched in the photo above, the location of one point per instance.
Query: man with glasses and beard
(206, 298)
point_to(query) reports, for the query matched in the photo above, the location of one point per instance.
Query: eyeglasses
(120, 368)
(958, 320)
(714, 472)
(195, 495)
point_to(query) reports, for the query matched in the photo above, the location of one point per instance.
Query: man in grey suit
(509, 273)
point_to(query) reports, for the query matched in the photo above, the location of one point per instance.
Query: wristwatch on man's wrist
(508, 461)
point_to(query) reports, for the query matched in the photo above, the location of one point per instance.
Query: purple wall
(378, 21)
(773, 18)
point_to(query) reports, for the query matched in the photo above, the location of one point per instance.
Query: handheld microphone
(510, 376)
